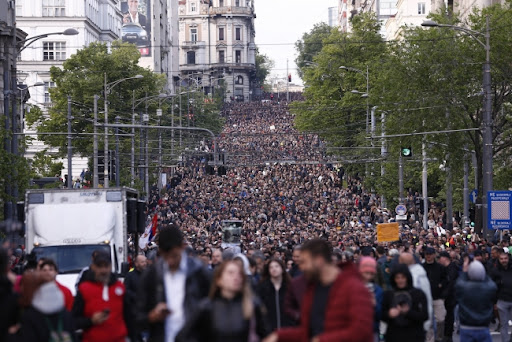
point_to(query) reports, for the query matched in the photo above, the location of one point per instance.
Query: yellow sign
(387, 232)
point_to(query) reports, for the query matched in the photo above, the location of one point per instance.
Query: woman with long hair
(272, 291)
(231, 313)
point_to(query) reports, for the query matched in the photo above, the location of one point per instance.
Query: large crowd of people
(309, 266)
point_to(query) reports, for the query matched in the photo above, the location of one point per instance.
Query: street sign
(401, 209)
(473, 196)
(500, 209)
(401, 217)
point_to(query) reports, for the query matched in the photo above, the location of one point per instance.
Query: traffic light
(289, 78)
(406, 152)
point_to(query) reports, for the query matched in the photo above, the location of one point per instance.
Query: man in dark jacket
(452, 271)
(171, 289)
(438, 278)
(502, 276)
(8, 300)
(475, 293)
(131, 282)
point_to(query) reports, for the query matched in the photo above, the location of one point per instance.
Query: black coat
(273, 302)
(8, 307)
(34, 327)
(222, 320)
(152, 291)
(406, 327)
(503, 278)
(438, 278)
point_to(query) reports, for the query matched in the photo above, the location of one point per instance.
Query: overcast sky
(280, 23)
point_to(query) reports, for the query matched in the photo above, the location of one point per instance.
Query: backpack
(57, 335)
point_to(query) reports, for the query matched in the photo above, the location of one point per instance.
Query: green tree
(81, 77)
(264, 65)
(310, 45)
(44, 165)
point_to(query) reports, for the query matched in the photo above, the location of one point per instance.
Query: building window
(54, 51)
(221, 33)
(193, 7)
(54, 8)
(193, 35)
(238, 33)
(221, 56)
(238, 56)
(237, 3)
(239, 80)
(221, 3)
(19, 9)
(191, 57)
(47, 87)
(421, 8)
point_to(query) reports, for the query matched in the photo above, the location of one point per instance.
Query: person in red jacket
(99, 308)
(49, 270)
(336, 306)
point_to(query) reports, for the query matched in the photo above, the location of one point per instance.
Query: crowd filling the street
(305, 266)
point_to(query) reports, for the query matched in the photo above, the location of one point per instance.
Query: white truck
(68, 225)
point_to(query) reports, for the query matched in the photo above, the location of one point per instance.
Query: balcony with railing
(231, 10)
(193, 44)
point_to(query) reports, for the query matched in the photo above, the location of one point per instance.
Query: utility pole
(132, 156)
(70, 148)
(383, 153)
(449, 195)
(487, 124)
(95, 176)
(287, 83)
(465, 195)
(118, 166)
(424, 183)
(105, 158)
(401, 178)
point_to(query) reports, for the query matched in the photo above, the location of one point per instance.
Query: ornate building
(217, 49)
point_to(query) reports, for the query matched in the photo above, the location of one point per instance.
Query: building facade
(384, 9)
(217, 49)
(410, 14)
(332, 16)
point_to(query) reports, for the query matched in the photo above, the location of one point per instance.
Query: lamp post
(107, 88)
(487, 122)
(364, 95)
(10, 90)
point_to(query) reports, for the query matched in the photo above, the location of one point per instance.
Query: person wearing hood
(45, 317)
(475, 293)
(419, 281)
(246, 266)
(8, 307)
(404, 308)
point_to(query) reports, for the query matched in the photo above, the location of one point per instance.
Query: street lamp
(107, 88)
(363, 95)
(22, 45)
(487, 121)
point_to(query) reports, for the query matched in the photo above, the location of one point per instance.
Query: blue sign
(499, 209)
(473, 196)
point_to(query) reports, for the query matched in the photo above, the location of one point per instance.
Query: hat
(445, 254)
(367, 264)
(430, 250)
(100, 257)
(476, 271)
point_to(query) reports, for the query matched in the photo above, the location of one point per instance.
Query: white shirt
(174, 283)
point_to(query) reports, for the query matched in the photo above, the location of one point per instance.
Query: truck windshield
(70, 258)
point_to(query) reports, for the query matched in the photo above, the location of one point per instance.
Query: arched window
(240, 80)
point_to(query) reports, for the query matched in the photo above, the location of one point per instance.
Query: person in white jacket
(420, 281)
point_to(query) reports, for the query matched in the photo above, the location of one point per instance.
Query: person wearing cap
(368, 270)
(502, 276)
(452, 271)
(99, 308)
(438, 278)
(475, 294)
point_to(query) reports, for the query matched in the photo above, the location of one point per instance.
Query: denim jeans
(505, 311)
(475, 335)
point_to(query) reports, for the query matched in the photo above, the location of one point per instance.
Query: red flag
(154, 223)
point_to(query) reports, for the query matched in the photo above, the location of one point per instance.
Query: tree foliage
(310, 45)
(429, 80)
(264, 65)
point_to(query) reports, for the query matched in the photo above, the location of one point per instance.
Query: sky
(280, 23)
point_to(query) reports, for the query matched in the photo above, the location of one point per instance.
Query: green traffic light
(406, 152)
